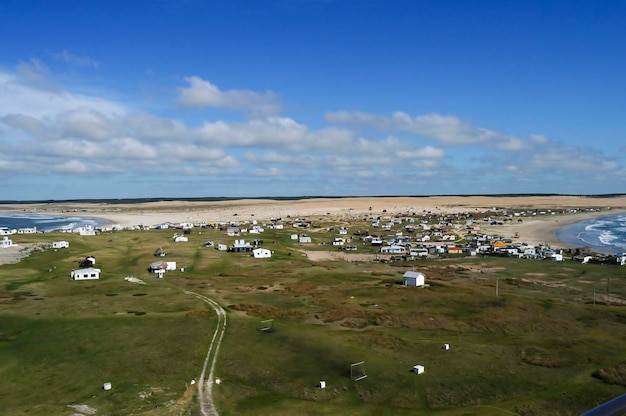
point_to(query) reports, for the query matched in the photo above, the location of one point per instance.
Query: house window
(93, 275)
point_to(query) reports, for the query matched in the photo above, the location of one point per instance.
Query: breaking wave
(47, 223)
(606, 234)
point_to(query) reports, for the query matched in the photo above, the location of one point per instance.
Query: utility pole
(496, 286)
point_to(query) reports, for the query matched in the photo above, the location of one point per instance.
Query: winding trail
(205, 388)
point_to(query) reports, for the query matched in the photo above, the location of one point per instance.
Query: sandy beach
(532, 229)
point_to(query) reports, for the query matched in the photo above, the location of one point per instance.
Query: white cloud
(33, 72)
(65, 56)
(422, 153)
(190, 152)
(45, 104)
(538, 138)
(76, 167)
(86, 123)
(266, 132)
(71, 167)
(327, 138)
(446, 130)
(269, 172)
(269, 157)
(201, 93)
(48, 130)
(149, 126)
(76, 148)
(25, 123)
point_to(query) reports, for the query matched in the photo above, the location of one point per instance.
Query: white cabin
(6, 242)
(86, 274)
(304, 239)
(261, 253)
(412, 278)
(393, 249)
(86, 231)
(162, 266)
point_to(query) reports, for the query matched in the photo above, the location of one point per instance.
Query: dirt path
(339, 255)
(205, 388)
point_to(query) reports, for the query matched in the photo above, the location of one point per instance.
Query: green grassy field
(531, 350)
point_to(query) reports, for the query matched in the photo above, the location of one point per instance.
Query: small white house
(256, 230)
(86, 274)
(233, 231)
(30, 230)
(412, 278)
(393, 249)
(418, 369)
(303, 238)
(6, 242)
(166, 266)
(418, 252)
(85, 231)
(60, 244)
(180, 238)
(261, 253)
(556, 256)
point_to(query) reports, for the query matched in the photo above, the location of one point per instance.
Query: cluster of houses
(416, 237)
(489, 246)
(84, 230)
(11, 231)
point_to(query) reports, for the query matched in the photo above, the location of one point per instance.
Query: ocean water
(604, 234)
(46, 223)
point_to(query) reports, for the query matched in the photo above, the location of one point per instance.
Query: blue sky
(112, 99)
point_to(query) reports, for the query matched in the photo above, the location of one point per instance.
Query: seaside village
(402, 236)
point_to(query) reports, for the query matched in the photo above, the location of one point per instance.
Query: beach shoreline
(538, 228)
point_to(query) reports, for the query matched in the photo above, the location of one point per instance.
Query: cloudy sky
(201, 98)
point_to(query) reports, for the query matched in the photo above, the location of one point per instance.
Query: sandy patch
(12, 255)
(83, 409)
(337, 255)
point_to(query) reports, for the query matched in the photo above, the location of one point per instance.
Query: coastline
(544, 230)
(535, 229)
